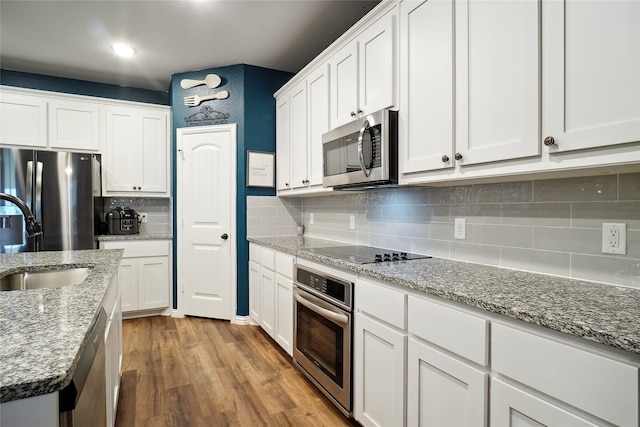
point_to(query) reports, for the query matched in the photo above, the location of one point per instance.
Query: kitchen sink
(55, 278)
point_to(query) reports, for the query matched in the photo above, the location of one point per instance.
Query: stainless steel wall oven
(323, 332)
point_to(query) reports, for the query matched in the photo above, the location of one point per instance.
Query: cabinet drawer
(601, 386)
(254, 252)
(267, 258)
(449, 328)
(139, 248)
(381, 302)
(284, 265)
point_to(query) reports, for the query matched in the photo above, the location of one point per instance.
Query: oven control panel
(332, 287)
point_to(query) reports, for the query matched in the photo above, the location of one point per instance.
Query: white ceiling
(73, 38)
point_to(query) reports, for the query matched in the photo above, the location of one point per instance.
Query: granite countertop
(141, 236)
(598, 312)
(43, 331)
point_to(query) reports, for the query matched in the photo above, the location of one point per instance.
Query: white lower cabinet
(271, 293)
(581, 380)
(513, 407)
(379, 378)
(379, 353)
(144, 274)
(443, 391)
(113, 349)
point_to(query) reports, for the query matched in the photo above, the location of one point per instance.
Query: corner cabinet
(364, 73)
(144, 275)
(136, 152)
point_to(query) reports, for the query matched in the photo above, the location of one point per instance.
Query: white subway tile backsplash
(593, 188)
(608, 269)
(548, 226)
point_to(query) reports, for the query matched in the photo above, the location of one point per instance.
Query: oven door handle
(336, 317)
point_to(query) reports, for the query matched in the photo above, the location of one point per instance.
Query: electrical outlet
(614, 238)
(352, 222)
(143, 217)
(459, 228)
(310, 219)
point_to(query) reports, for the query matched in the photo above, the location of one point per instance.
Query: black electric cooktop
(366, 254)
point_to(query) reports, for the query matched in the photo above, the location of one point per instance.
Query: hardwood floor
(203, 372)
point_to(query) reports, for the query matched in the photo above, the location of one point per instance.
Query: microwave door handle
(336, 317)
(364, 128)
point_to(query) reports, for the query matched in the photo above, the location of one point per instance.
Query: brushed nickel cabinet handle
(445, 159)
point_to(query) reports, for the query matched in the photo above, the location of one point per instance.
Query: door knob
(224, 236)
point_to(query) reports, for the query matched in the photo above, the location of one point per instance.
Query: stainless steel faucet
(34, 229)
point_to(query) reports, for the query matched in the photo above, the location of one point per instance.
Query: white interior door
(206, 221)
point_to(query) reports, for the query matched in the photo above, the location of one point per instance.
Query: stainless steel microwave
(363, 153)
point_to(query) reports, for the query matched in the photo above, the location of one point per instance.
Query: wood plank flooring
(201, 372)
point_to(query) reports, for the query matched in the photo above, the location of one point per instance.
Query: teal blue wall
(81, 87)
(252, 107)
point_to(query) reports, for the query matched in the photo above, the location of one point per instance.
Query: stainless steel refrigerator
(59, 188)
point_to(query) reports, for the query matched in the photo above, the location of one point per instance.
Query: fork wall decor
(212, 81)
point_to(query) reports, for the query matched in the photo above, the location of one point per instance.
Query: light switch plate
(352, 222)
(310, 219)
(614, 238)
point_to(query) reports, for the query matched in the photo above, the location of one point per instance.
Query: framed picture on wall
(260, 169)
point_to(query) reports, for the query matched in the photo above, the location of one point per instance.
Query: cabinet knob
(359, 111)
(286, 184)
(353, 114)
(445, 158)
(224, 236)
(458, 156)
(549, 141)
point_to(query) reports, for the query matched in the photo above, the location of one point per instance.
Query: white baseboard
(241, 320)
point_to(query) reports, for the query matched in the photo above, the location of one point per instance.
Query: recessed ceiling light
(123, 50)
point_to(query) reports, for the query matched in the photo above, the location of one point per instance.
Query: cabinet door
(153, 282)
(426, 132)
(442, 390)
(344, 85)
(591, 66)
(23, 120)
(379, 356)
(255, 294)
(124, 151)
(284, 313)
(497, 80)
(113, 358)
(283, 142)
(154, 151)
(515, 408)
(317, 121)
(377, 71)
(299, 135)
(128, 282)
(267, 306)
(74, 125)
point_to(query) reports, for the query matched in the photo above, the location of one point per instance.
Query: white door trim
(180, 132)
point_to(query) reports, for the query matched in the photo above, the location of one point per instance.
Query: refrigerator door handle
(29, 186)
(38, 192)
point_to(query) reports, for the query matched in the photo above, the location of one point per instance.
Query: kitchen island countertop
(139, 236)
(603, 313)
(43, 331)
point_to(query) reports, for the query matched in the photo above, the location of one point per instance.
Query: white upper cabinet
(591, 73)
(426, 85)
(497, 80)
(364, 72)
(469, 83)
(283, 142)
(136, 156)
(302, 117)
(23, 120)
(318, 121)
(75, 125)
(299, 134)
